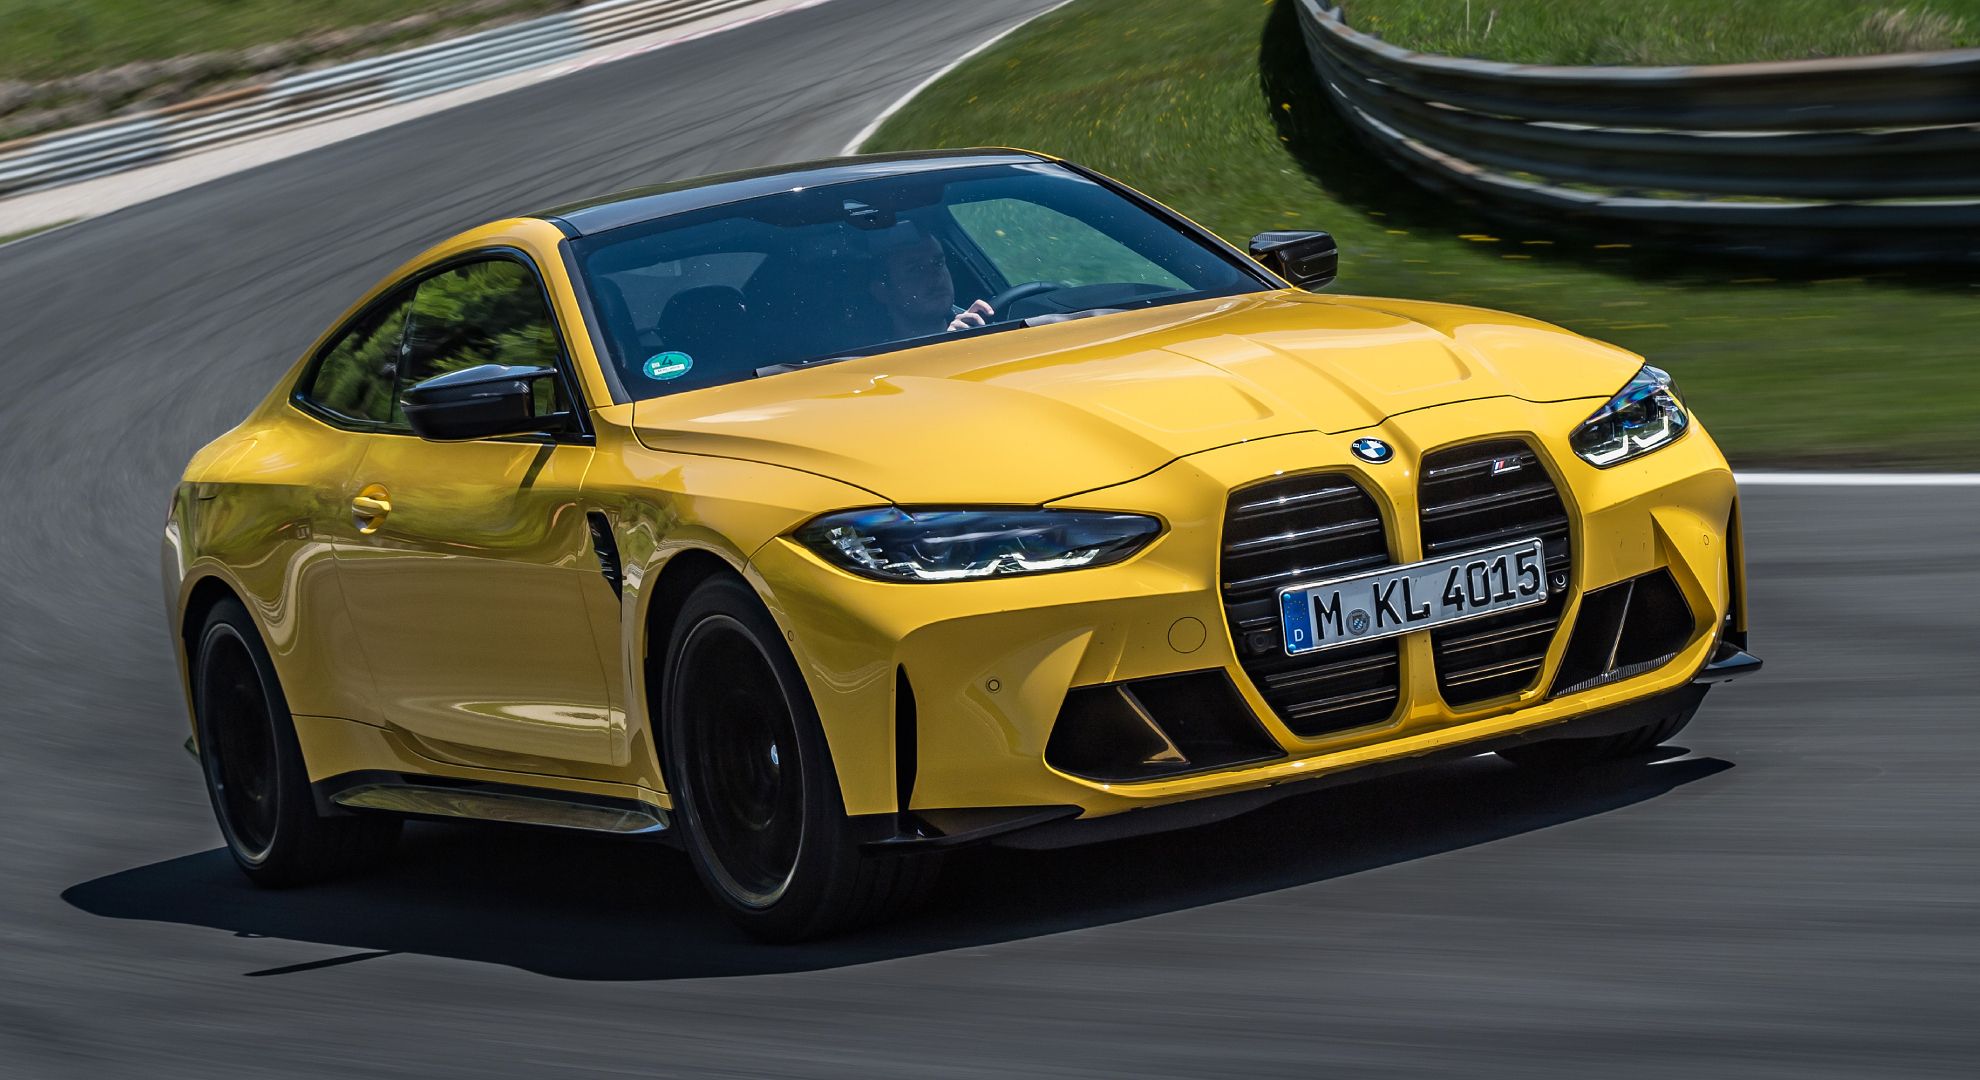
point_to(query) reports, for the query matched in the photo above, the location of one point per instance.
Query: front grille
(1474, 497)
(1283, 532)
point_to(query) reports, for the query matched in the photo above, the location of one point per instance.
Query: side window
(1031, 242)
(489, 312)
(355, 377)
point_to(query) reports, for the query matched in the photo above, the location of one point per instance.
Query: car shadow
(580, 907)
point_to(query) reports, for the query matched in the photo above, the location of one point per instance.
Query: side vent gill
(606, 547)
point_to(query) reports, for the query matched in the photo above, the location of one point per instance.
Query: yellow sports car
(825, 518)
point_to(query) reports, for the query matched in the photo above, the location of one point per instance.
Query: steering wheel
(1001, 302)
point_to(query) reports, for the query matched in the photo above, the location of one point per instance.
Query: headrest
(700, 306)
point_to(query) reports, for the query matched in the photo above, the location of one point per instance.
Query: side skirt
(450, 799)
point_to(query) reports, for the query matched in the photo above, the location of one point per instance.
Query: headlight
(1644, 416)
(892, 544)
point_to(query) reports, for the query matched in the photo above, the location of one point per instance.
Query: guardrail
(1865, 158)
(295, 100)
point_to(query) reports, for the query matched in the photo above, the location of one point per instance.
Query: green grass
(1667, 31)
(8, 238)
(1210, 106)
(46, 39)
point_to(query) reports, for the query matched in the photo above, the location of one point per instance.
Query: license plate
(1420, 596)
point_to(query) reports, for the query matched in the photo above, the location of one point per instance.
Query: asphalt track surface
(1793, 897)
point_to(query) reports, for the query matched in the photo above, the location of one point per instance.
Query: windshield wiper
(987, 328)
(1063, 316)
(795, 365)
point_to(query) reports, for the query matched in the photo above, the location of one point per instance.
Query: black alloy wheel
(255, 775)
(742, 757)
(756, 797)
(239, 755)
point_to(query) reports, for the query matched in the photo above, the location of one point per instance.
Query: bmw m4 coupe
(823, 519)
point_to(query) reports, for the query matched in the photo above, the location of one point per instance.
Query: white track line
(75, 202)
(1859, 479)
(866, 132)
(1785, 479)
(627, 49)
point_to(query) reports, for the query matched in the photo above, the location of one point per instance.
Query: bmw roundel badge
(1373, 451)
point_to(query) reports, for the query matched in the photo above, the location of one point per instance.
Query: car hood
(1031, 415)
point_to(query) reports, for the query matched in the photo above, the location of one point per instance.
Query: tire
(254, 768)
(1574, 753)
(756, 798)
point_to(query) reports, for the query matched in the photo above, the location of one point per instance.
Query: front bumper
(988, 665)
(1046, 828)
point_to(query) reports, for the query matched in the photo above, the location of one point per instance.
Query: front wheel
(755, 795)
(254, 767)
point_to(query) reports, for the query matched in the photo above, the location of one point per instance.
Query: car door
(466, 570)
(285, 514)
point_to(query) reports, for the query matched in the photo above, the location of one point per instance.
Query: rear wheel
(1572, 753)
(254, 767)
(755, 795)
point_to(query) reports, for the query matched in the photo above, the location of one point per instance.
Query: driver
(914, 287)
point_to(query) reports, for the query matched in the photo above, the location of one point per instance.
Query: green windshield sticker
(669, 365)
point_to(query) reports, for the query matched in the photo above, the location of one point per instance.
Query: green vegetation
(1667, 31)
(46, 39)
(1211, 106)
(8, 238)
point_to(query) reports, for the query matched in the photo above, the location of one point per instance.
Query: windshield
(756, 288)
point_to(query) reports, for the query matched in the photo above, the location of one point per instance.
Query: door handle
(368, 509)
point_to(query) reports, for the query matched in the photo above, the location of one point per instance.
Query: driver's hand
(973, 317)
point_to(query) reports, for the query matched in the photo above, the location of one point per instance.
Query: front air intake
(1473, 497)
(1298, 530)
(1146, 729)
(1625, 629)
